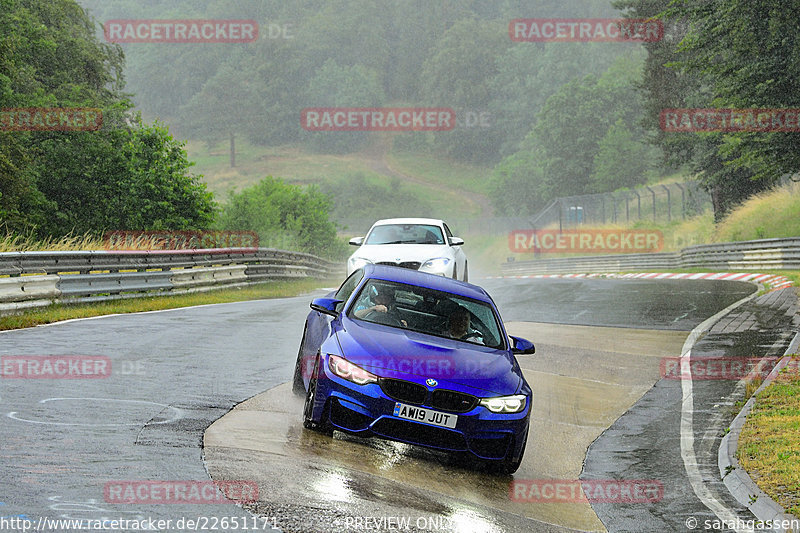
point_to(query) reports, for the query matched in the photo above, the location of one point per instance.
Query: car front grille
(404, 391)
(455, 402)
(413, 265)
(414, 393)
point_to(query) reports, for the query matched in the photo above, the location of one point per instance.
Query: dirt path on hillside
(376, 156)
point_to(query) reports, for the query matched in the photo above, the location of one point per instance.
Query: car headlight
(347, 370)
(504, 404)
(438, 264)
(358, 262)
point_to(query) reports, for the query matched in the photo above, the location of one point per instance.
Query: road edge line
(686, 425)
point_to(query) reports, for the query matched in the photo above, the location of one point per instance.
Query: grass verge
(258, 291)
(769, 445)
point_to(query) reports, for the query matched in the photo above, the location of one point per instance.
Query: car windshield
(428, 311)
(405, 234)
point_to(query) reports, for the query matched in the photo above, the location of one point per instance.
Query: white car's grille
(413, 265)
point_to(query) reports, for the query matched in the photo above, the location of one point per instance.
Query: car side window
(348, 287)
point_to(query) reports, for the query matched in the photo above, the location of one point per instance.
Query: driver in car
(459, 327)
(384, 303)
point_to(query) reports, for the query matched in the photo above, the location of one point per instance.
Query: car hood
(402, 354)
(404, 252)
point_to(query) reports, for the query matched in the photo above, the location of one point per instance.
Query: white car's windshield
(405, 234)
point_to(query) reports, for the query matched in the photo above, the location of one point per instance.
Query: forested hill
(544, 119)
(364, 53)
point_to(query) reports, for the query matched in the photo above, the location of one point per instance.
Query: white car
(424, 244)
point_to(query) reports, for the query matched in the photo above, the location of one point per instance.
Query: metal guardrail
(40, 278)
(761, 254)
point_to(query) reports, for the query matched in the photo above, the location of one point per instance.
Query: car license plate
(427, 416)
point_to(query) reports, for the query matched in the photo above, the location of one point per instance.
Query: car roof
(431, 221)
(423, 279)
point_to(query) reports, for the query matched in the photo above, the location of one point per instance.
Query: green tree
(723, 54)
(529, 73)
(131, 179)
(336, 86)
(125, 176)
(558, 155)
(516, 185)
(457, 76)
(621, 160)
(224, 107)
(355, 196)
(283, 215)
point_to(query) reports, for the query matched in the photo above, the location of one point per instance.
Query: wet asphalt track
(176, 372)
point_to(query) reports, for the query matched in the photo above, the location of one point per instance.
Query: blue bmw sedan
(416, 358)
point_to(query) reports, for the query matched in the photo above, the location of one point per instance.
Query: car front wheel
(308, 407)
(298, 387)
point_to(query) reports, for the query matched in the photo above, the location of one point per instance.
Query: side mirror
(357, 241)
(456, 241)
(326, 305)
(522, 346)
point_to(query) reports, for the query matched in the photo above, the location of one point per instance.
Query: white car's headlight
(358, 262)
(439, 264)
(505, 404)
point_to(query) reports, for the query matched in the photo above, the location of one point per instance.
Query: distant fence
(663, 203)
(36, 279)
(762, 254)
(673, 201)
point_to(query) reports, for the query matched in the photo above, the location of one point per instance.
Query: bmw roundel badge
(430, 382)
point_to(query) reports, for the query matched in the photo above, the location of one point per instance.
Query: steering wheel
(472, 335)
(386, 319)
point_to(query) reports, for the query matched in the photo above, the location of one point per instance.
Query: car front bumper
(367, 410)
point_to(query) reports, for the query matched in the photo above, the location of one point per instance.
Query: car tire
(308, 421)
(298, 387)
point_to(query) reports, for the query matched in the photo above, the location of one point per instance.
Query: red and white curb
(772, 282)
